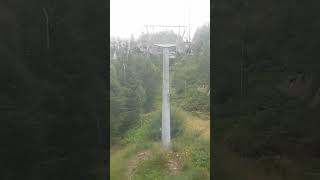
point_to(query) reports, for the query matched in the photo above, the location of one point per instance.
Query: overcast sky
(129, 16)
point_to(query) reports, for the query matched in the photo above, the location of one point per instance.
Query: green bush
(201, 155)
(135, 135)
(196, 101)
(154, 131)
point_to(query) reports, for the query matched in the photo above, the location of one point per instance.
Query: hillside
(140, 159)
(136, 79)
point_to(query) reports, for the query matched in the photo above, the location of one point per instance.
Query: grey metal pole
(165, 101)
(165, 124)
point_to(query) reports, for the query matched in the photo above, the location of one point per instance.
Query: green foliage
(199, 151)
(135, 136)
(133, 89)
(196, 101)
(153, 168)
(191, 75)
(119, 159)
(138, 89)
(154, 131)
(201, 155)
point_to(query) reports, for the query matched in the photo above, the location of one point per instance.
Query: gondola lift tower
(165, 123)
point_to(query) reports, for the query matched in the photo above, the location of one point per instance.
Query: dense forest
(53, 96)
(266, 89)
(135, 112)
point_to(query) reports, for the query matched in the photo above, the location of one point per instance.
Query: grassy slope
(190, 149)
(195, 128)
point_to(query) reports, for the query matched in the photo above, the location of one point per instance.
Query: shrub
(152, 168)
(200, 155)
(154, 131)
(135, 135)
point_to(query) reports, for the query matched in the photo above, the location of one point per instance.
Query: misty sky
(129, 16)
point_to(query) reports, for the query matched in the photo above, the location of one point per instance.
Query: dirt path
(192, 123)
(173, 163)
(135, 161)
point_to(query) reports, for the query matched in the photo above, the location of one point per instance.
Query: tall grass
(193, 151)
